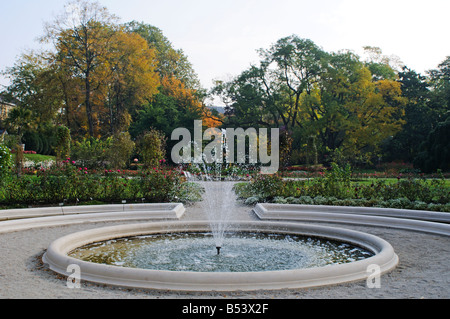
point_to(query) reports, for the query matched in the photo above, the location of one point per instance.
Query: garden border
(422, 221)
(24, 219)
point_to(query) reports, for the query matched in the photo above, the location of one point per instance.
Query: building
(5, 108)
(220, 109)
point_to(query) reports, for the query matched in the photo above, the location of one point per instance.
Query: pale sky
(220, 37)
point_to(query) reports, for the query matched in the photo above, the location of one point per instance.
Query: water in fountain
(218, 202)
(218, 199)
(245, 252)
(218, 205)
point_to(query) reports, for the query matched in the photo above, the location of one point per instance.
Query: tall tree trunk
(89, 106)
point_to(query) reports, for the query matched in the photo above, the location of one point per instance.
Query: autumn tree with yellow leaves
(102, 76)
(115, 69)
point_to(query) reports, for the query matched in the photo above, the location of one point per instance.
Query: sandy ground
(423, 271)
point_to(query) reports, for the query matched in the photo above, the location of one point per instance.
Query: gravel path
(423, 272)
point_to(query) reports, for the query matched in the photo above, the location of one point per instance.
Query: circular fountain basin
(242, 252)
(61, 254)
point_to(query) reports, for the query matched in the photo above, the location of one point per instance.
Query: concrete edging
(23, 219)
(58, 260)
(422, 221)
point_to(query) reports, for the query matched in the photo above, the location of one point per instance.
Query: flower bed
(335, 187)
(70, 184)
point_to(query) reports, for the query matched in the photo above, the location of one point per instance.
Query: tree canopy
(333, 97)
(104, 79)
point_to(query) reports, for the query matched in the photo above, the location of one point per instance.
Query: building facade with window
(5, 108)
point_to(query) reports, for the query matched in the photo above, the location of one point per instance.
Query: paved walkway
(423, 271)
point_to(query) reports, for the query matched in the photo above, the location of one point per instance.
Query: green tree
(33, 87)
(435, 151)
(419, 118)
(313, 93)
(20, 120)
(381, 66)
(440, 88)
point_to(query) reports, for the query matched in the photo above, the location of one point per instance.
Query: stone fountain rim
(58, 260)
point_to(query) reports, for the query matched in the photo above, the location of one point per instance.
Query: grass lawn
(369, 181)
(37, 158)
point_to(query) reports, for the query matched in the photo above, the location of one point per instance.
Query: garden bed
(70, 185)
(337, 188)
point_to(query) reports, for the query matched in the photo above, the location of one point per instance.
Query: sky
(221, 37)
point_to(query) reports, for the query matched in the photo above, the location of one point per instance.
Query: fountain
(284, 262)
(246, 252)
(219, 197)
(218, 207)
(255, 255)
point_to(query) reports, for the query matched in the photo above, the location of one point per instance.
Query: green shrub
(320, 200)
(91, 152)
(151, 147)
(252, 201)
(120, 151)
(420, 205)
(337, 180)
(434, 207)
(63, 141)
(401, 203)
(290, 199)
(70, 184)
(267, 186)
(6, 160)
(187, 192)
(306, 200)
(280, 200)
(335, 188)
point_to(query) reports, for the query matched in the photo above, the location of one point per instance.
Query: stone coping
(414, 220)
(58, 260)
(23, 219)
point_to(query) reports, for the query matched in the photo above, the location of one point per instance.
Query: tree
(180, 98)
(130, 78)
(33, 87)
(382, 66)
(435, 151)
(440, 87)
(19, 121)
(295, 66)
(375, 113)
(249, 99)
(419, 118)
(312, 93)
(82, 36)
(172, 62)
